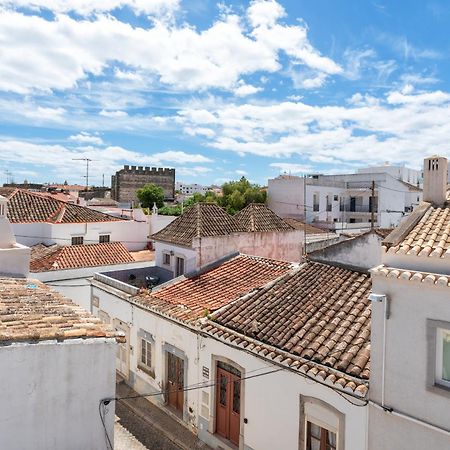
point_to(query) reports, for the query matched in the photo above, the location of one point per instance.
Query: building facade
(128, 180)
(344, 202)
(410, 355)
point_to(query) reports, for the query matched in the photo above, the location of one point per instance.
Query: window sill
(147, 370)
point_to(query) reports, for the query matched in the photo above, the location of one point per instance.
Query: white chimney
(435, 180)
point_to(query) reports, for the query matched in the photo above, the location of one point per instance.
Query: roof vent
(435, 180)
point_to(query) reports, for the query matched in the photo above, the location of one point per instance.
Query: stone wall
(128, 180)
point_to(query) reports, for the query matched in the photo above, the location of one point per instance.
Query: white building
(253, 377)
(14, 257)
(410, 176)
(58, 362)
(36, 218)
(190, 189)
(206, 233)
(344, 202)
(410, 356)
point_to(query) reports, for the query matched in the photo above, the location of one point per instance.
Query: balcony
(348, 207)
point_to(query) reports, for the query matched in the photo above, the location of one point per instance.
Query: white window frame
(147, 367)
(440, 332)
(77, 237)
(321, 424)
(100, 236)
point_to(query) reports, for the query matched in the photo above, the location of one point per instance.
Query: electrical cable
(102, 418)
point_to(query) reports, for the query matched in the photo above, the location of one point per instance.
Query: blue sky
(221, 89)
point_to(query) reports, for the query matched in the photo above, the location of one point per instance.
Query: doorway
(228, 402)
(179, 266)
(123, 349)
(175, 383)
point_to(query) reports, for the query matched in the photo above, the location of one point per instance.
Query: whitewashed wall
(75, 283)
(271, 403)
(189, 255)
(15, 261)
(131, 233)
(408, 360)
(51, 392)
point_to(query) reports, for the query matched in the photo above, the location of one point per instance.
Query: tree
(236, 195)
(150, 194)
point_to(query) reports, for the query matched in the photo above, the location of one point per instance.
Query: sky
(219, 90)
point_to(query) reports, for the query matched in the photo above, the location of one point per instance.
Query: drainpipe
(381, 298)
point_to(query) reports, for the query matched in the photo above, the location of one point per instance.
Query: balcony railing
(358, 208)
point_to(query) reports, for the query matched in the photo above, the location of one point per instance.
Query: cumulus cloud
(292, 167)
(401, 127)
(86, 138)
(58, 159)
(57, 54)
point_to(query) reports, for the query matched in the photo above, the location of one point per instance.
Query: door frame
(168, 348)
(126, 329)
(212, 406)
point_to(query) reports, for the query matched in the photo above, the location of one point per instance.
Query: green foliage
(236, 195)
(150, 194)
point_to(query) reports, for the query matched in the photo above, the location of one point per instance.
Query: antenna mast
(88, 160)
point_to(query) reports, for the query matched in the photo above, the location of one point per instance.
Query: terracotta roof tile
(57, 257)
(200, 220)
(191, 298)
(26, 206)
(429, 237)
(257, 217)
(31, 311)
(317, 313)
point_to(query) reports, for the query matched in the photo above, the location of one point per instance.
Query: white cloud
(87, 7)
(58, 159)
(241, 172)
(58, 54)
(402, 126)
(246, 89)
(86, 138)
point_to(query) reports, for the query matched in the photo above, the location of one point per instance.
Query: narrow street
(151, 426)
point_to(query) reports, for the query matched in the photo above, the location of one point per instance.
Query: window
(104, 316)
(328, 203)
(179, 269)
(315, 202)
(336, 198)
(146, 353)
(319, 438)
(166, 259)
(104, 238)
(77, 240)
(443, 357)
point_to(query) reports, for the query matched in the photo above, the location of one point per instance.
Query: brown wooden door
(175, 382)
(228, 403)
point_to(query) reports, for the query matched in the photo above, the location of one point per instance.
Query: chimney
(435, 180)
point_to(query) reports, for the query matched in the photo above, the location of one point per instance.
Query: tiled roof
(57, 257)
(200, 220)
(257, 217)
(26, 206)
(31, 311)
(299, 225)
(191, 298)
(411, 275)
(430, 236)
(316, 317)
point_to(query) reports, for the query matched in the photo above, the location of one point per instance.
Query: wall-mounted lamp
(171, 253)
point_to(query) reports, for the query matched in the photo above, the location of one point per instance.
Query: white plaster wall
(15, 260)
(407, 361)
(271, 403)
(189, 255)
(75, 283)
(285, 196)
(51, 393)
(363, 251)
(131, 233)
